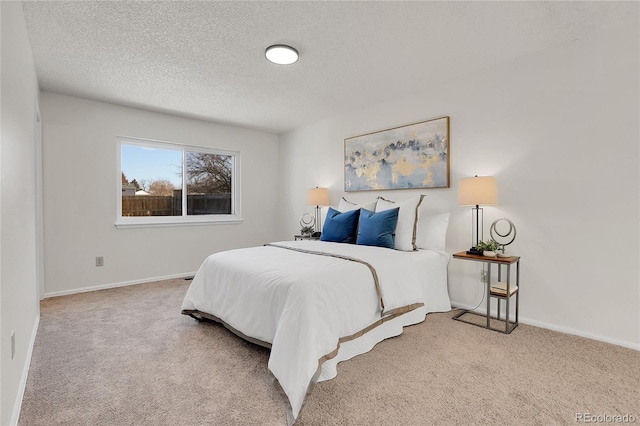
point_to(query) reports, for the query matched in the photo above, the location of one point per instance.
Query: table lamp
(318, 197)
(477, 191)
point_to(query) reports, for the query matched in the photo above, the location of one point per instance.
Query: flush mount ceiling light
(281, 54)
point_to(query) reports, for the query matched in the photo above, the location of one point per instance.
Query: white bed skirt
(367, 341)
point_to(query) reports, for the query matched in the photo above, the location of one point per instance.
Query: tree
(124, 179)
(136, 184)
(161, 187)
(208, 173)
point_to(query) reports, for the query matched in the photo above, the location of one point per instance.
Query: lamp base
(475, 251)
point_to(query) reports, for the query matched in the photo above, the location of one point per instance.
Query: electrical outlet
(483, 277)
(99, 261)
(13, 345)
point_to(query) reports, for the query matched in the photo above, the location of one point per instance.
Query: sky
(141, 163)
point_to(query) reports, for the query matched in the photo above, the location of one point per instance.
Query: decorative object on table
(488, 248)
(307, 223)
(509, 236)
(476, 191)
(318, 197)
(406, 157)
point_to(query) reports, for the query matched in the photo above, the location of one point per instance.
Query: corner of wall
(19, 300)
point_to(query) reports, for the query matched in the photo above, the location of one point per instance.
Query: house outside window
(152, 176)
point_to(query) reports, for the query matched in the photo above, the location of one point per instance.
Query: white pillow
(407, 220)
(432, 230)
(347, 206)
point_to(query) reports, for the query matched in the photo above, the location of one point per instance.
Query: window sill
(178, 221)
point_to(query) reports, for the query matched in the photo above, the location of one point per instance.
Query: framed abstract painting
(406, 157)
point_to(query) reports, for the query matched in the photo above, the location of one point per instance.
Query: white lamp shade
(476, 191)
(318, 197)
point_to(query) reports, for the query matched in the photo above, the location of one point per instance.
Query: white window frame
(150, 221)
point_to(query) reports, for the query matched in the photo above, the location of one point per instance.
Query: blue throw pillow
(340, 227)
(378, 229)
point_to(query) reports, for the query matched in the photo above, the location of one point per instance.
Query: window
(152, 176)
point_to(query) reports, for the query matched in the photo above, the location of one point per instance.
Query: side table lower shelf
(504, 328)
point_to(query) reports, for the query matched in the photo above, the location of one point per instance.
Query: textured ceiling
(206, 59)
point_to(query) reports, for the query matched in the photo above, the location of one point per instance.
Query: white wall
(559, 131)
(79, 138)
(18, 301)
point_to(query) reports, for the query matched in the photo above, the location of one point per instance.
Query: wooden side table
(500, 290)
(305, 237)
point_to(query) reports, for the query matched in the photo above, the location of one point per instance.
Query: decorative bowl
(489, 253)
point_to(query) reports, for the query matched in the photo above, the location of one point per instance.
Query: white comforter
(303, 303)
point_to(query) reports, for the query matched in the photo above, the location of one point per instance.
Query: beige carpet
(126, 356)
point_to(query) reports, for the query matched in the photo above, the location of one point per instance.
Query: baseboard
(580, 333)
(114, 285)
(558, 328)
(15, 416)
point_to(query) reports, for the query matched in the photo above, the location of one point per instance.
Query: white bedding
(302, 303)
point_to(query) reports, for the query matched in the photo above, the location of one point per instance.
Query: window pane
(151, 181)
(208, 183)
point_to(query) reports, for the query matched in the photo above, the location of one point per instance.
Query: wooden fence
(152, 205)
(209, 204)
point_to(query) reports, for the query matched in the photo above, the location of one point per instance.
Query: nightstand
(305, 237)
(499, 290)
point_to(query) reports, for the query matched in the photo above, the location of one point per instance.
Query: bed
(316, 303)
